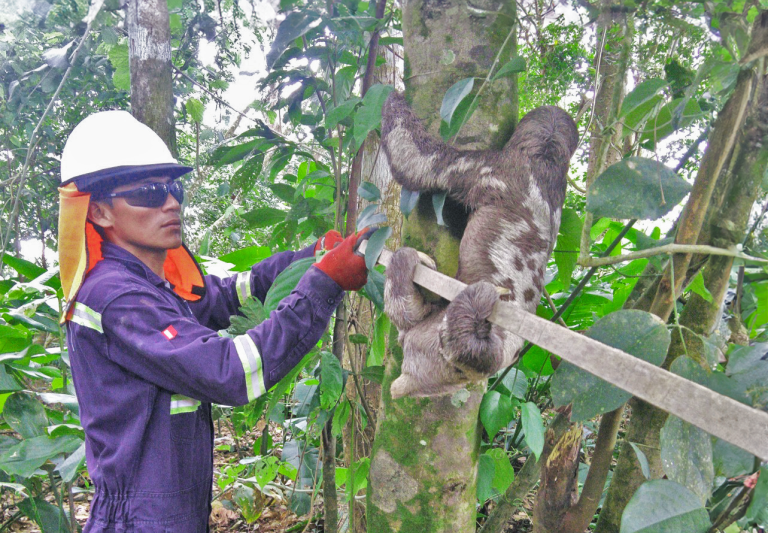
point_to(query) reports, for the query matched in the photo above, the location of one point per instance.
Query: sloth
(514, 199)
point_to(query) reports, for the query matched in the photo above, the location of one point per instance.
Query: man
(142, 323)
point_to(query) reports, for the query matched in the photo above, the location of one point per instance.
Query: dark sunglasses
(149, 195)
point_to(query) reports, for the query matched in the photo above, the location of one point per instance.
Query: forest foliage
(276, 176)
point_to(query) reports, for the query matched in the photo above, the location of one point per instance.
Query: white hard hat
(112, 146)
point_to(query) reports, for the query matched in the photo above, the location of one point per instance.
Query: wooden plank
(716, 414)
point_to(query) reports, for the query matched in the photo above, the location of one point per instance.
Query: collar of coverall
(80, 249)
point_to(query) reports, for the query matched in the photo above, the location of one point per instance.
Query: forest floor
(276, 516)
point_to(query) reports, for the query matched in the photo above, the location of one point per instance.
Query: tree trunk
(149, 35)
(424, 464)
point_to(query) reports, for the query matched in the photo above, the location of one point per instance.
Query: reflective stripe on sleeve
(183, 404)
(251, 361)
(86, 317)
(243, 284)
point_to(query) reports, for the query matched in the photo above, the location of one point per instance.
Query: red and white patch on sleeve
(170, 332)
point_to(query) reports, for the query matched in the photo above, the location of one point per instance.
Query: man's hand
(344, 266)
(328, 241)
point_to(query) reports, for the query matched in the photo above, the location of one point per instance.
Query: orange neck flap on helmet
(80, 251)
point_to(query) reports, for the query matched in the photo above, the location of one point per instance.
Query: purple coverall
(147, 364)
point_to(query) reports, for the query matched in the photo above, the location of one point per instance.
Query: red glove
(344, 266)
(328, 241)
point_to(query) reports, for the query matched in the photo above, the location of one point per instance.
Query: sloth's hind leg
(403, 302)
(469, 340)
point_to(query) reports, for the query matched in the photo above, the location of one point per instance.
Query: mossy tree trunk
(424, 464)
(149, 51)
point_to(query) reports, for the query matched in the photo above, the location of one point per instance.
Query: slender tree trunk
(149, 35)
(424, 465)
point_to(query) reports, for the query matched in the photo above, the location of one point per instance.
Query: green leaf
(244, 258)
(331, 380)
(495, 412)
(13, 340)
(368, 117)
(369, 191)
(643, 460)
(286, 282)
(663, 506)
(340, 112)
(513, 66)
(283, 191)
(263, 217)
(358, 338)
(503, 473)
(686, 456)
(25, 414)
(50, 518)
(69, 468)
(758, 508)
(533, 427)
(340, 417)
(453, 96)
(636, 187)
(730, 460)
(195, 108)
(8, 383)
(698, 287)
(369, 217)
(30, 454)
(121, 77)
(438, 201)
(636, 332)
(639, 98)
(566, 250)
(379, 345)
(23, 267)
(376, 245)
(486, 471)
(295, 25)
(515, 383)
(408, 201)
(663, 124)
(373, 373)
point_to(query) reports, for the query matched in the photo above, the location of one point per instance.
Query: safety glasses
(149, 195)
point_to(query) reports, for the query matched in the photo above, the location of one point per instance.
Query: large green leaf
(340, 112)
(23, 267)
(283, 191)
(663, 506)
(244, 258)
(643, 97)
(121, 77)
(636, 187)
(50, 518)
(686, 456)
(566, 250)
(295, 25)
(286, 282)
(486, 469)
(663, 124)
(730, 460)
(495, 412)
(515, 383)
(533, 427)
(13, 339)
(263, 217)
(30, 454)
(8, 383)
(636, 332)
(25, 414)
(331, 380)
(379, 345)
(368, 117)
(304, 460)
(70, 466)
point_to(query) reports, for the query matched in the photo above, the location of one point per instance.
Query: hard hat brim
(109, 178)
